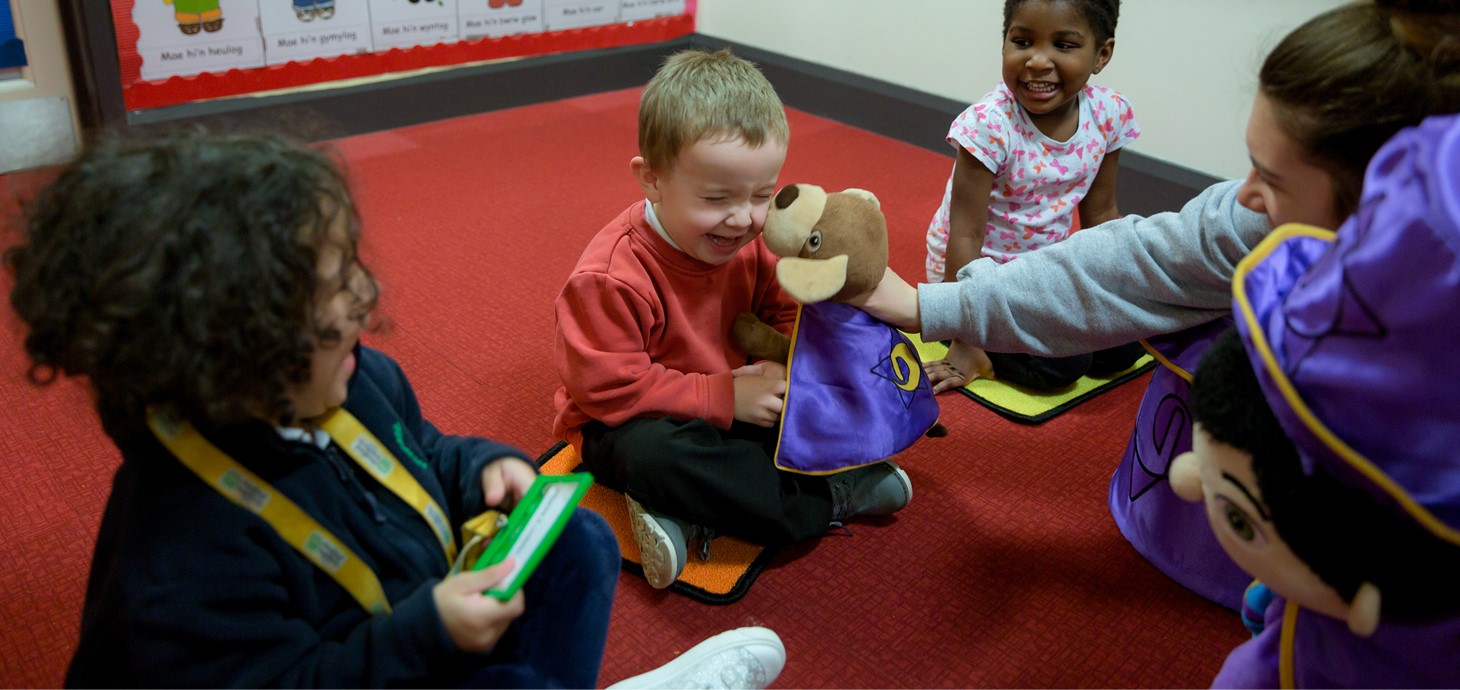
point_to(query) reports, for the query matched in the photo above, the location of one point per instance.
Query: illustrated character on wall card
(197, 15)
(307, 10)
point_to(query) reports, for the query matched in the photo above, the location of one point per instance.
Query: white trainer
(741, 658)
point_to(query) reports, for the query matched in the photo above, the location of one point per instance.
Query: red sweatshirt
(643, 329)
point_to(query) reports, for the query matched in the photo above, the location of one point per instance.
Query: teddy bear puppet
(1327, 442)
(845, 369)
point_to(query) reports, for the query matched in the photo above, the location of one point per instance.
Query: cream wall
(1188, 66)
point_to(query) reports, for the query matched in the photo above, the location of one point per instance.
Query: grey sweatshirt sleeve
(1106, 285)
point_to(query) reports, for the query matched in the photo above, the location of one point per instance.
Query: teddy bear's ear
(793, 215)
(864, 194)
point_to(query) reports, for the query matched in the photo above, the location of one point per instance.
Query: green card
(532, 528)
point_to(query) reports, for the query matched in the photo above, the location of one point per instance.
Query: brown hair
(181, 270)
(696, 95)
(1347, 80)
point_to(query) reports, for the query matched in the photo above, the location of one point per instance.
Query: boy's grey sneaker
(740, 658)
(878, 489)
(663, 544)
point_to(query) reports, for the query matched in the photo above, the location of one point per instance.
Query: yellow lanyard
(368, 452)
(295, 526)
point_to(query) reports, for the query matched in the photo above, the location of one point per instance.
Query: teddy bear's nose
(787, 196)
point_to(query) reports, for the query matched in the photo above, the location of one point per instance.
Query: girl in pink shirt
(1040, 145)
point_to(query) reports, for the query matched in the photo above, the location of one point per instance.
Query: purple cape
(1169, 532)
(857, 393)
(1300, 648)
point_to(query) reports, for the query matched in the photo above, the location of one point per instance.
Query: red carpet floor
(1005, 571)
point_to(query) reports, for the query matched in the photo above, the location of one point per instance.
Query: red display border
(142, 95)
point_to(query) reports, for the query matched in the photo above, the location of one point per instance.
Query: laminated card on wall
(576, 14)
(489, 18)
(186, 37)
(308, 29)
(406, 23)
(639, 10)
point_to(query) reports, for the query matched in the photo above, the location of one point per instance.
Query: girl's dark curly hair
(1338, 530)
(181, 270)
(1101, 14)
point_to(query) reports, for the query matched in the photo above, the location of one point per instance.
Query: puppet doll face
(1243, 525)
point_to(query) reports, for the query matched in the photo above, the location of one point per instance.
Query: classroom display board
(178, 51)
(12, 49)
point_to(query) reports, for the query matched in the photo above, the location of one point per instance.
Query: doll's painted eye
(1237, 520)
(814, 241)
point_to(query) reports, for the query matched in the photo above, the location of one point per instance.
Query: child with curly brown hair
(284, 514)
